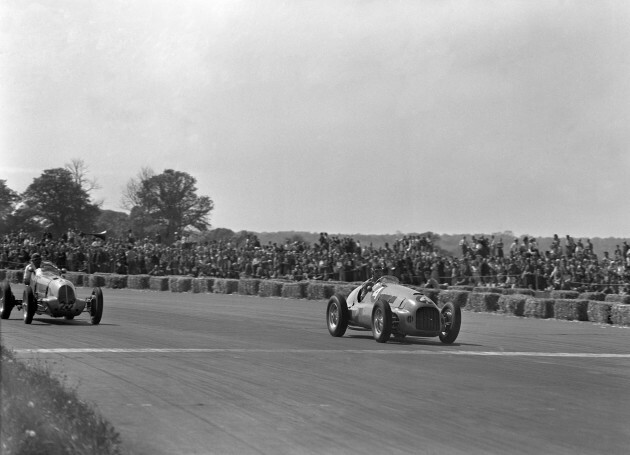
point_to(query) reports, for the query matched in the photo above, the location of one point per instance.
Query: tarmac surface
(229, 374)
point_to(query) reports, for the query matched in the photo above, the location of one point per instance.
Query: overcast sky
(341, 116)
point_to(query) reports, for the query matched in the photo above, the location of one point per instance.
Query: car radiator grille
(66, 295)
(428, 318)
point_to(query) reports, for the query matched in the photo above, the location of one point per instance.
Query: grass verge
(41, 416)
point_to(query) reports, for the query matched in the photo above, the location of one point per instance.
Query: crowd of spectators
(482, 261)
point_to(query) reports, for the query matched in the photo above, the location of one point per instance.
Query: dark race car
(390, 309)
(50, 293)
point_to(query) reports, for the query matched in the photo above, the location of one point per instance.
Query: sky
(371, 117)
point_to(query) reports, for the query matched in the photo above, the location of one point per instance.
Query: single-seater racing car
(391, 309)
(50, 293)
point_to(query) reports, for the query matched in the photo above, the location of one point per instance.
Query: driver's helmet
(36, 259)
(378, 273)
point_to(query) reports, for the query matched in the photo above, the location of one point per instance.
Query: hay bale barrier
(571, 309)
(202, 285)
(620, 314)
(563, 295)
(138, 281)
(225, 286)
(513, 304)
(115, 281)
(539, 308)
(618, 298)
(248, 286)
(599, 312)
(295, 290)
(270, 288)
(180, 283)
(519, 291)
(599, 296)
(318, 290)
(158, 283)
(484, 301)
(456, 297)
(97, 280)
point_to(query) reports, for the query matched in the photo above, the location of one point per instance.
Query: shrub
(539, 308)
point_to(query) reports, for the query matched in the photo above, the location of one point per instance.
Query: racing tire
(453, 316)
(96, 307)
(337, 315)
(381, 321)
(69, 317)
(29, 305)
(7, 300)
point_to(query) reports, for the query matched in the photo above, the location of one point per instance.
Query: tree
(55, 202)
(79, 170)
(8, 202)
(168, 200)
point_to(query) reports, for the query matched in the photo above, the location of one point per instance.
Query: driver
(369, 284)
(36, 262)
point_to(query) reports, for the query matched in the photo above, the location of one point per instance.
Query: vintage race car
(391, 309)
(50, 293)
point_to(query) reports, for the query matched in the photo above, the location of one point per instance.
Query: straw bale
(513, 304)
(556, 294)
(432, 293)
(158, 283)
(225, 286)
(295, 290)
(97, 280)
(138, 281)
(270, 288)
(319, 290)
(539, 308)
(617, 298)
(76, 278)
(599, 311)
(599, 296)
(344, 288)
(202, 285)
(15, 276)
(571, 309)
(116, 281)
(519, 291)
(484, 301)
(485, 290)
(180, 283)
(461, 288)
(620, 314)
(456, 297)
(248, 286)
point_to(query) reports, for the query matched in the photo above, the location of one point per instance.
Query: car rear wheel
(7, 300)
(29, 304)
(337, 315)
(69, 317)
(96, 308)
(381, 321)
(453, 321)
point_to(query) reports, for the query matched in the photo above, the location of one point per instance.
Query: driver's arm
(28, 271)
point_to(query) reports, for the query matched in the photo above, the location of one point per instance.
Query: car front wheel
(29, 305)
(452, 323)
(96, 307)
(381, 321)
(7, 301)
(337, 315)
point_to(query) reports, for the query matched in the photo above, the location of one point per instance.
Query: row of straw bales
(567, 305)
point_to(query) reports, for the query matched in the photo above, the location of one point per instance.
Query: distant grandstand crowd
(482, 261)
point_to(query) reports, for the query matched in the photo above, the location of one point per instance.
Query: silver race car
(391, 309)
(50, 293)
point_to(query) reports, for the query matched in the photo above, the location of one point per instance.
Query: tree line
(60, 199)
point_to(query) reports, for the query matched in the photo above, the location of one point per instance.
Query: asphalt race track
(228, 374)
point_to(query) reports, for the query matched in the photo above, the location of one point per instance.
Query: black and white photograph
(304, 227)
